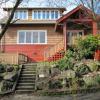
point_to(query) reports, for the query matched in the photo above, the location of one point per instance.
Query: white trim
(31, 37)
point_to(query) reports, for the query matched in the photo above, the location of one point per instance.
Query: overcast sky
(32, 3)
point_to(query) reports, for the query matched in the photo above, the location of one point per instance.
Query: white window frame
(19, 13)
(45, 14)
(31, 36)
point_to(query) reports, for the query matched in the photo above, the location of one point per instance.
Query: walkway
(92, 96)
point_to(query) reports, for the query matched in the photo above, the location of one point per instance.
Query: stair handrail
(50, 51)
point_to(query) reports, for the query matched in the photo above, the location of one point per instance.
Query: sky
(32, 3)
(69, 4)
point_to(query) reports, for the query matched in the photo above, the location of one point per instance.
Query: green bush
(88, 46)
(67, 62)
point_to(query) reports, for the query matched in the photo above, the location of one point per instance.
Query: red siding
(97, 55)
(34, 52)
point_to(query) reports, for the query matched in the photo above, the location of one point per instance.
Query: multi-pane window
(45, 14)
(21, 14)
(32, 37)
(21, 37)
(73, 35)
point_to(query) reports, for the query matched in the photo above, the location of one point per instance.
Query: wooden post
(65, 36)
(94, 27)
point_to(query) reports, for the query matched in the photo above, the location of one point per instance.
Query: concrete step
(25, 88)
(26, 81)
(24, 91)
(26, 84)
(27, 78)
(34, 71)
(28, 69)
(28, 75)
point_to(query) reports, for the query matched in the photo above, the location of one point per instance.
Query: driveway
(91, 96)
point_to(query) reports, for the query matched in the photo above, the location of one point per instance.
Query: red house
(40, 34)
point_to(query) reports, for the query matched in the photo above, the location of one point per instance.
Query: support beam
(65, 36)
(94, 23)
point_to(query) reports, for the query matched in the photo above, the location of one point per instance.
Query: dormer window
(21, 14)
(45, 15)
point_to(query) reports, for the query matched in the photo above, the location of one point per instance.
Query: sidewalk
(91, 96)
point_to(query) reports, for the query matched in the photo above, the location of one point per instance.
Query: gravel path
(91, 96)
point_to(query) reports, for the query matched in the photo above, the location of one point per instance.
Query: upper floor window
(21, 14)
(45, 14)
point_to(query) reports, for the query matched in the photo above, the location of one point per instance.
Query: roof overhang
(36, 8)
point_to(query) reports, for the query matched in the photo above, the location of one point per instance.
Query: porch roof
(66, 17)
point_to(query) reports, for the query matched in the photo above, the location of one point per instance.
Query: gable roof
(64, 17)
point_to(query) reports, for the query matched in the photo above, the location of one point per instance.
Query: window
(45, 14)
(35, 15)
(32, 37)
(21, 37)
(52, 15)
(42, 37)
(35, 37)
(39, 14)
(72, 35)
(28, 37)
(21, 14)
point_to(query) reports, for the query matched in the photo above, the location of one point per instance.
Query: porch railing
(49, 52)
(12, 58)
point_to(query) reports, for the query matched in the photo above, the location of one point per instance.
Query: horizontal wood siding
(52, 36)
(35, 52)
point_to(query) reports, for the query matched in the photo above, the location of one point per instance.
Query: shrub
(81, 68)
(93, 66)
(67, 62)
(90, 81)
(88, 46)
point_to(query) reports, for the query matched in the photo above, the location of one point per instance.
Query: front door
(72, 35)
